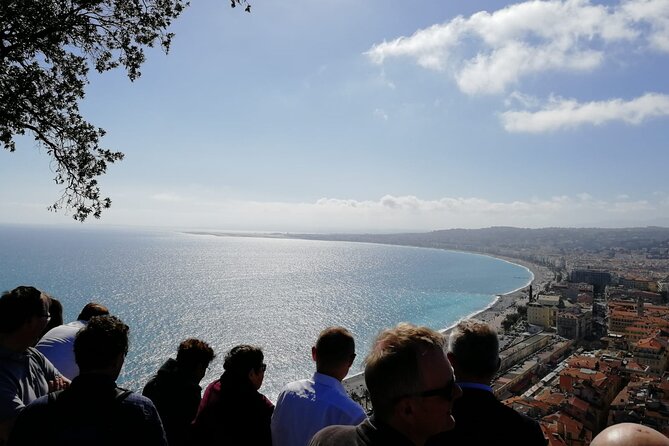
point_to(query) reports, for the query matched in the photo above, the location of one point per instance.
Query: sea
(276, 293)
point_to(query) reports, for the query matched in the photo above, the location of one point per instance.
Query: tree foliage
(46, 50)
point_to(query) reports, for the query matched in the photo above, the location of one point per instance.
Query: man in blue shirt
(305, 407)
(412, 388)
(93, 410)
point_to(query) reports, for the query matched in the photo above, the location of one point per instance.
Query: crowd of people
(58, 387)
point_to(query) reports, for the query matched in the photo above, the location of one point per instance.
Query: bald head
(624, 434)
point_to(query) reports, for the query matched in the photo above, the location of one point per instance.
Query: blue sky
(337, 115)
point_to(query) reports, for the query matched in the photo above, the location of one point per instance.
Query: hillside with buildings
(591, 347)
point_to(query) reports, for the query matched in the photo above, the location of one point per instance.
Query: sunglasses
(262, 367)
(447, 392)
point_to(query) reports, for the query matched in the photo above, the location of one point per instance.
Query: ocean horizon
(277, 293)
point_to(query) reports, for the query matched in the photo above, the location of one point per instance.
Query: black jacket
(481, 419)
(177, 398)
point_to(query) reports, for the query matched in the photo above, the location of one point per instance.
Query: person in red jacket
(232, 411)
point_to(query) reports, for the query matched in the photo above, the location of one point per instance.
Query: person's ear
(499, 364)
(314, 354)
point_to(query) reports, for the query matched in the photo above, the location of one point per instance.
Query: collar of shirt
(6, 353)
(327, 380)
(468, 385)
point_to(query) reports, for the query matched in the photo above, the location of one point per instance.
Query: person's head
(246, 362)
(624, 434)
(55, 315)
(193, 357)
(24, 312)
(92, 309)
(334, 352)
(473, 349)
(410, 381)
(101, 346)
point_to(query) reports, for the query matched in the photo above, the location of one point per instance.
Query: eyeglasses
(446, 392)
(47, 316)
(262, 367)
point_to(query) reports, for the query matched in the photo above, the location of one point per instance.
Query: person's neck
(461, 377)
(336, 374)
(13, 343)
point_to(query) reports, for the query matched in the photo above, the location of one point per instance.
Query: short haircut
(475, 346)
(193, 351)
(19, 305)
(240, 360)
(392, 367)
(92, 309)
(334, 346)
(98, 344)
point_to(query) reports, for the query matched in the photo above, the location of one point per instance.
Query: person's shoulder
(521, 424)
(134, 397)
(38, 357)
(346, 404)
(299, 384)
(332, 435)
(297, 387)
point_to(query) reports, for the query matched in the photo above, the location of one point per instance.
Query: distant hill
(501, 237)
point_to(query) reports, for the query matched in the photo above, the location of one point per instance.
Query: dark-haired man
(304, 407)
(58, 343)
(412, 388)
(473, 349)
(93, 410)
(25, 374)
(175, 388)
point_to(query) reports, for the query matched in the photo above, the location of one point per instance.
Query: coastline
(504, 304)
(494, 314)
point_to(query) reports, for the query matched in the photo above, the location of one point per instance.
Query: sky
(381, 116)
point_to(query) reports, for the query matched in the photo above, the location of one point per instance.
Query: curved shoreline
(494, 314)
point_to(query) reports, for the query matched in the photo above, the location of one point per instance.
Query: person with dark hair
(58, 343)
(56, 313)
(306, 406)
(473, 349)
(232, 411)
(412, 388)
(93, 410)
(175, 389)
(25, 374)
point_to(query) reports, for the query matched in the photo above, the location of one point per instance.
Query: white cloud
(168, 197)
(656, 14)
(526, 101)
(568, 113)
(488, 52)
(391, 213)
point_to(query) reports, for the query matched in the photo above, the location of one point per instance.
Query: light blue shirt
(58, 347)
(307, 406)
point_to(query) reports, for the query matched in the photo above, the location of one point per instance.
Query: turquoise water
(275, 293)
